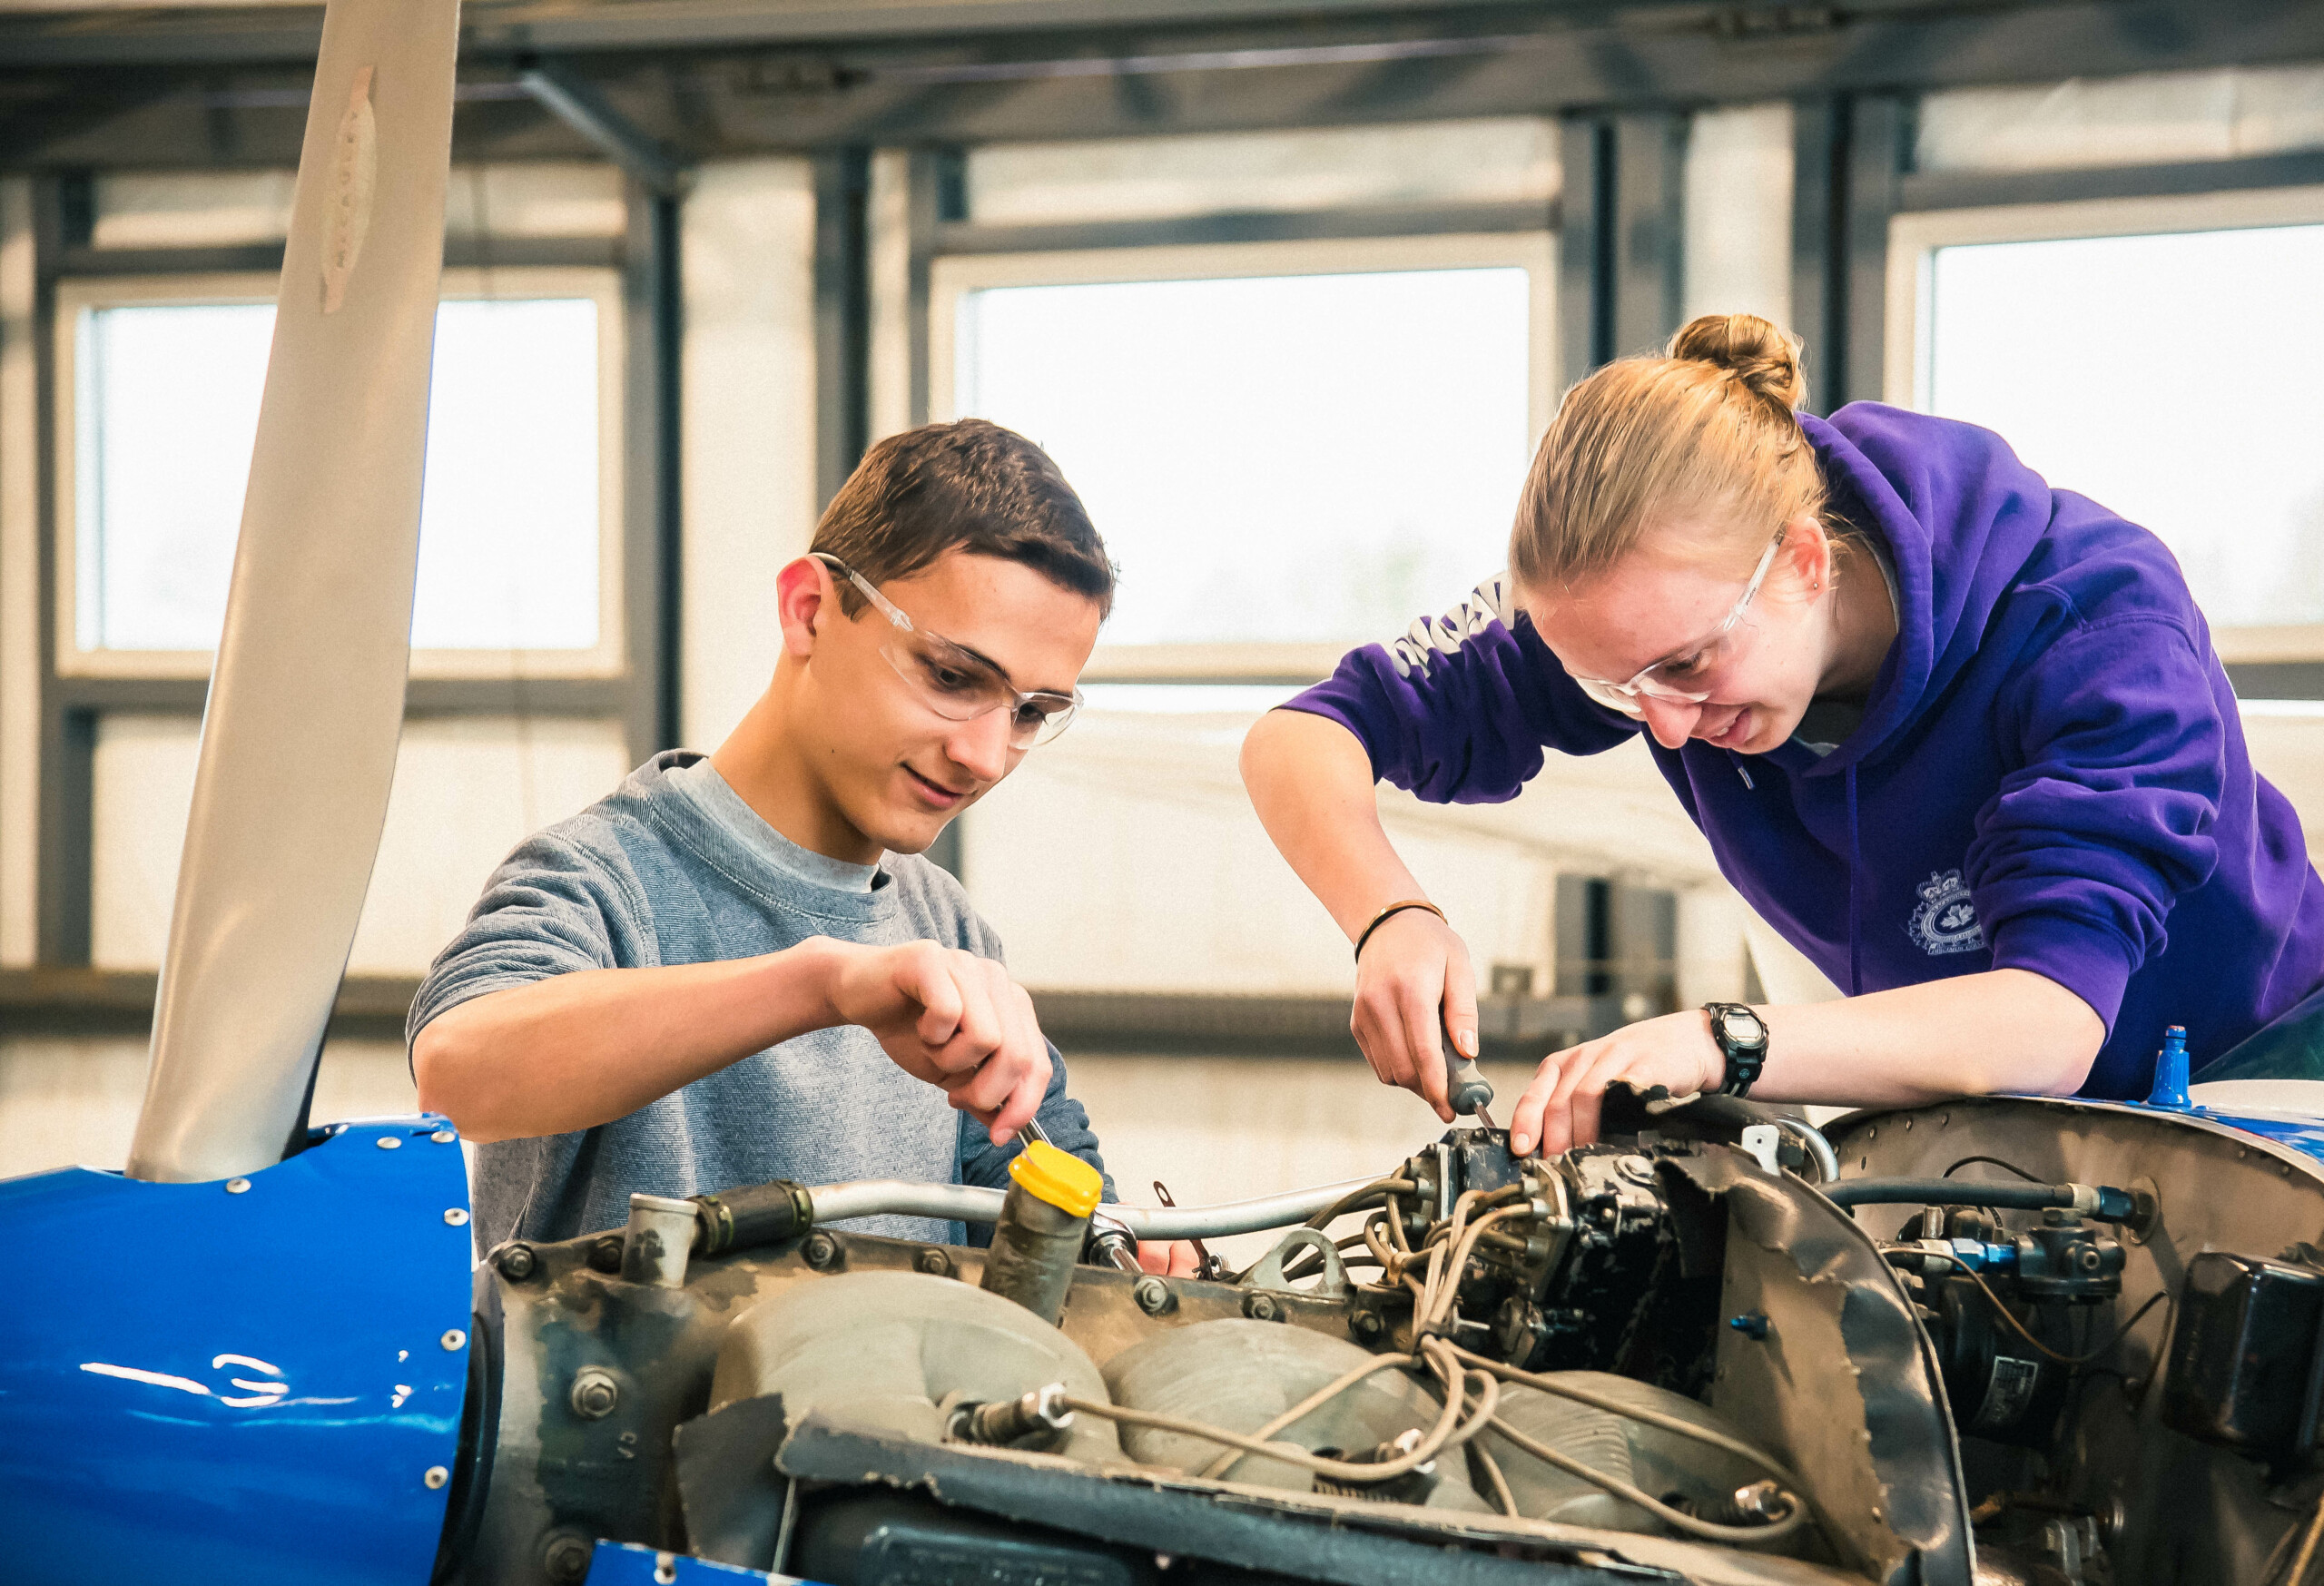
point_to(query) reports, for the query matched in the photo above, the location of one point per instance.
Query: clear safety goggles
(953, 680)
(1680, 678)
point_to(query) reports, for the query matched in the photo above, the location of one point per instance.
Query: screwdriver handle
(1466, 1089)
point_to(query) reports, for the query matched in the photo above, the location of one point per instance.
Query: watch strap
(1745, 1058)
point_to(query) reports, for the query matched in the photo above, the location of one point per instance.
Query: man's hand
(1560, 1107)
(950, 1017)
(1175, 1259)
(1413, 981)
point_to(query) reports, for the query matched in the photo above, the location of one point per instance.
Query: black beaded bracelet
(1387, 913)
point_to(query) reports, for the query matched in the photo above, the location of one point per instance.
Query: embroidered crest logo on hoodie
(1946, 921)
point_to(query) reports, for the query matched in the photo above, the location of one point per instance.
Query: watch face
(1741, 1026)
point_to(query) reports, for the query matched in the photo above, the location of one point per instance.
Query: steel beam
(582, 105)
(1585, 246)
(1649, 255)
(712, 78)
(843, 313)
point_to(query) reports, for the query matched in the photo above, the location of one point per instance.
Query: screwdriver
(1107, 1238)
(1466, 1089)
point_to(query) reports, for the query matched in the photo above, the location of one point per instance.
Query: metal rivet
(455, 1339)
(444, 1137)
(388, 1142)
(458, 1216)
(436, 1477)
(238, 1186)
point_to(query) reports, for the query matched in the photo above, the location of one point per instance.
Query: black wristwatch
(1742, 1036)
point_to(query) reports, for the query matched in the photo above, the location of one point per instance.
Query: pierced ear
(1808, 546)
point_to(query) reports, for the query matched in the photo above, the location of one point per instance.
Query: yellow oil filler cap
(1059, 1177)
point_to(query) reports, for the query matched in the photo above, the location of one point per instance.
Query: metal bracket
(1762, 1141)
(1268, 1273)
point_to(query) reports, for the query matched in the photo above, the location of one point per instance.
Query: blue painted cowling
(205, 1384)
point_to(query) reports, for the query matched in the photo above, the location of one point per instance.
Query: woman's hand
(1560, 1107)
(1413, 985)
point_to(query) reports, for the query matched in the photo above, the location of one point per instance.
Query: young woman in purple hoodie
(1960, 737)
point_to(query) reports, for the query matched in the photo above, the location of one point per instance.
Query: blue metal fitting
(2169, 1090)
(1979, 1257)
(1752, 1325)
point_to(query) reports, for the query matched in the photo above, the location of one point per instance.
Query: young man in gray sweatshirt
(739, 968)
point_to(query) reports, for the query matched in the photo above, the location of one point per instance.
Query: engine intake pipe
(769, 1214)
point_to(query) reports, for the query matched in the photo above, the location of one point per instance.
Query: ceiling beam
(1352, 65)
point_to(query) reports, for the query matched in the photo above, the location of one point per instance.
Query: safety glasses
(954, 681)
(1672, 677)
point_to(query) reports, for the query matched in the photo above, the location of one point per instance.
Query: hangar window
(519, 569)
(1290, 448)
(2095, 337)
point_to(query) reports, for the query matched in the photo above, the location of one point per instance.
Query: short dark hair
(969, 485)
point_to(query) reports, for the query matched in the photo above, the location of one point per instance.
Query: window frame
(603, 286)
(952, 277)
(1916, 236)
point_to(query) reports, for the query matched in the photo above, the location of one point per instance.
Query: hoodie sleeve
(1459, 710)
(1065, 1122)
(2080, 856)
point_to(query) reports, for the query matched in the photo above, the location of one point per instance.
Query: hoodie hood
(1960, 517)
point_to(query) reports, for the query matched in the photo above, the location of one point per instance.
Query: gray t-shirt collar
(713, 798)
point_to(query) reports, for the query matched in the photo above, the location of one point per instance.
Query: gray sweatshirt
(674, 868)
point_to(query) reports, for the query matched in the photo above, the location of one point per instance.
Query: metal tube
(1809, 1135)
(964, 1203)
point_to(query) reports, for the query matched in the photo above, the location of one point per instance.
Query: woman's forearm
(2003, 1030)
(576, 1050)
(1311, 782)
(1973, 1035)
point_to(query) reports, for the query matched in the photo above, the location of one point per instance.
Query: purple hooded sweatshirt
(2050, 773)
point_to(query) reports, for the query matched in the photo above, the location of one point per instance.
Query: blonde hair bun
(1760, 353)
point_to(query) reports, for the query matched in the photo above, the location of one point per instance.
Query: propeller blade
(306, 697)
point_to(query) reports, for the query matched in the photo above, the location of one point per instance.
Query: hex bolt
(457, 1216)
(934, 1263)
(517, 1262)
(1366, 1326)
(604, 1254)
(454, 1339)
(822, 1251)
(595, 1393)
(435, 1477)
(238, 1186)
(1261, 1307)
(566, 1557)
(1153, 1295)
